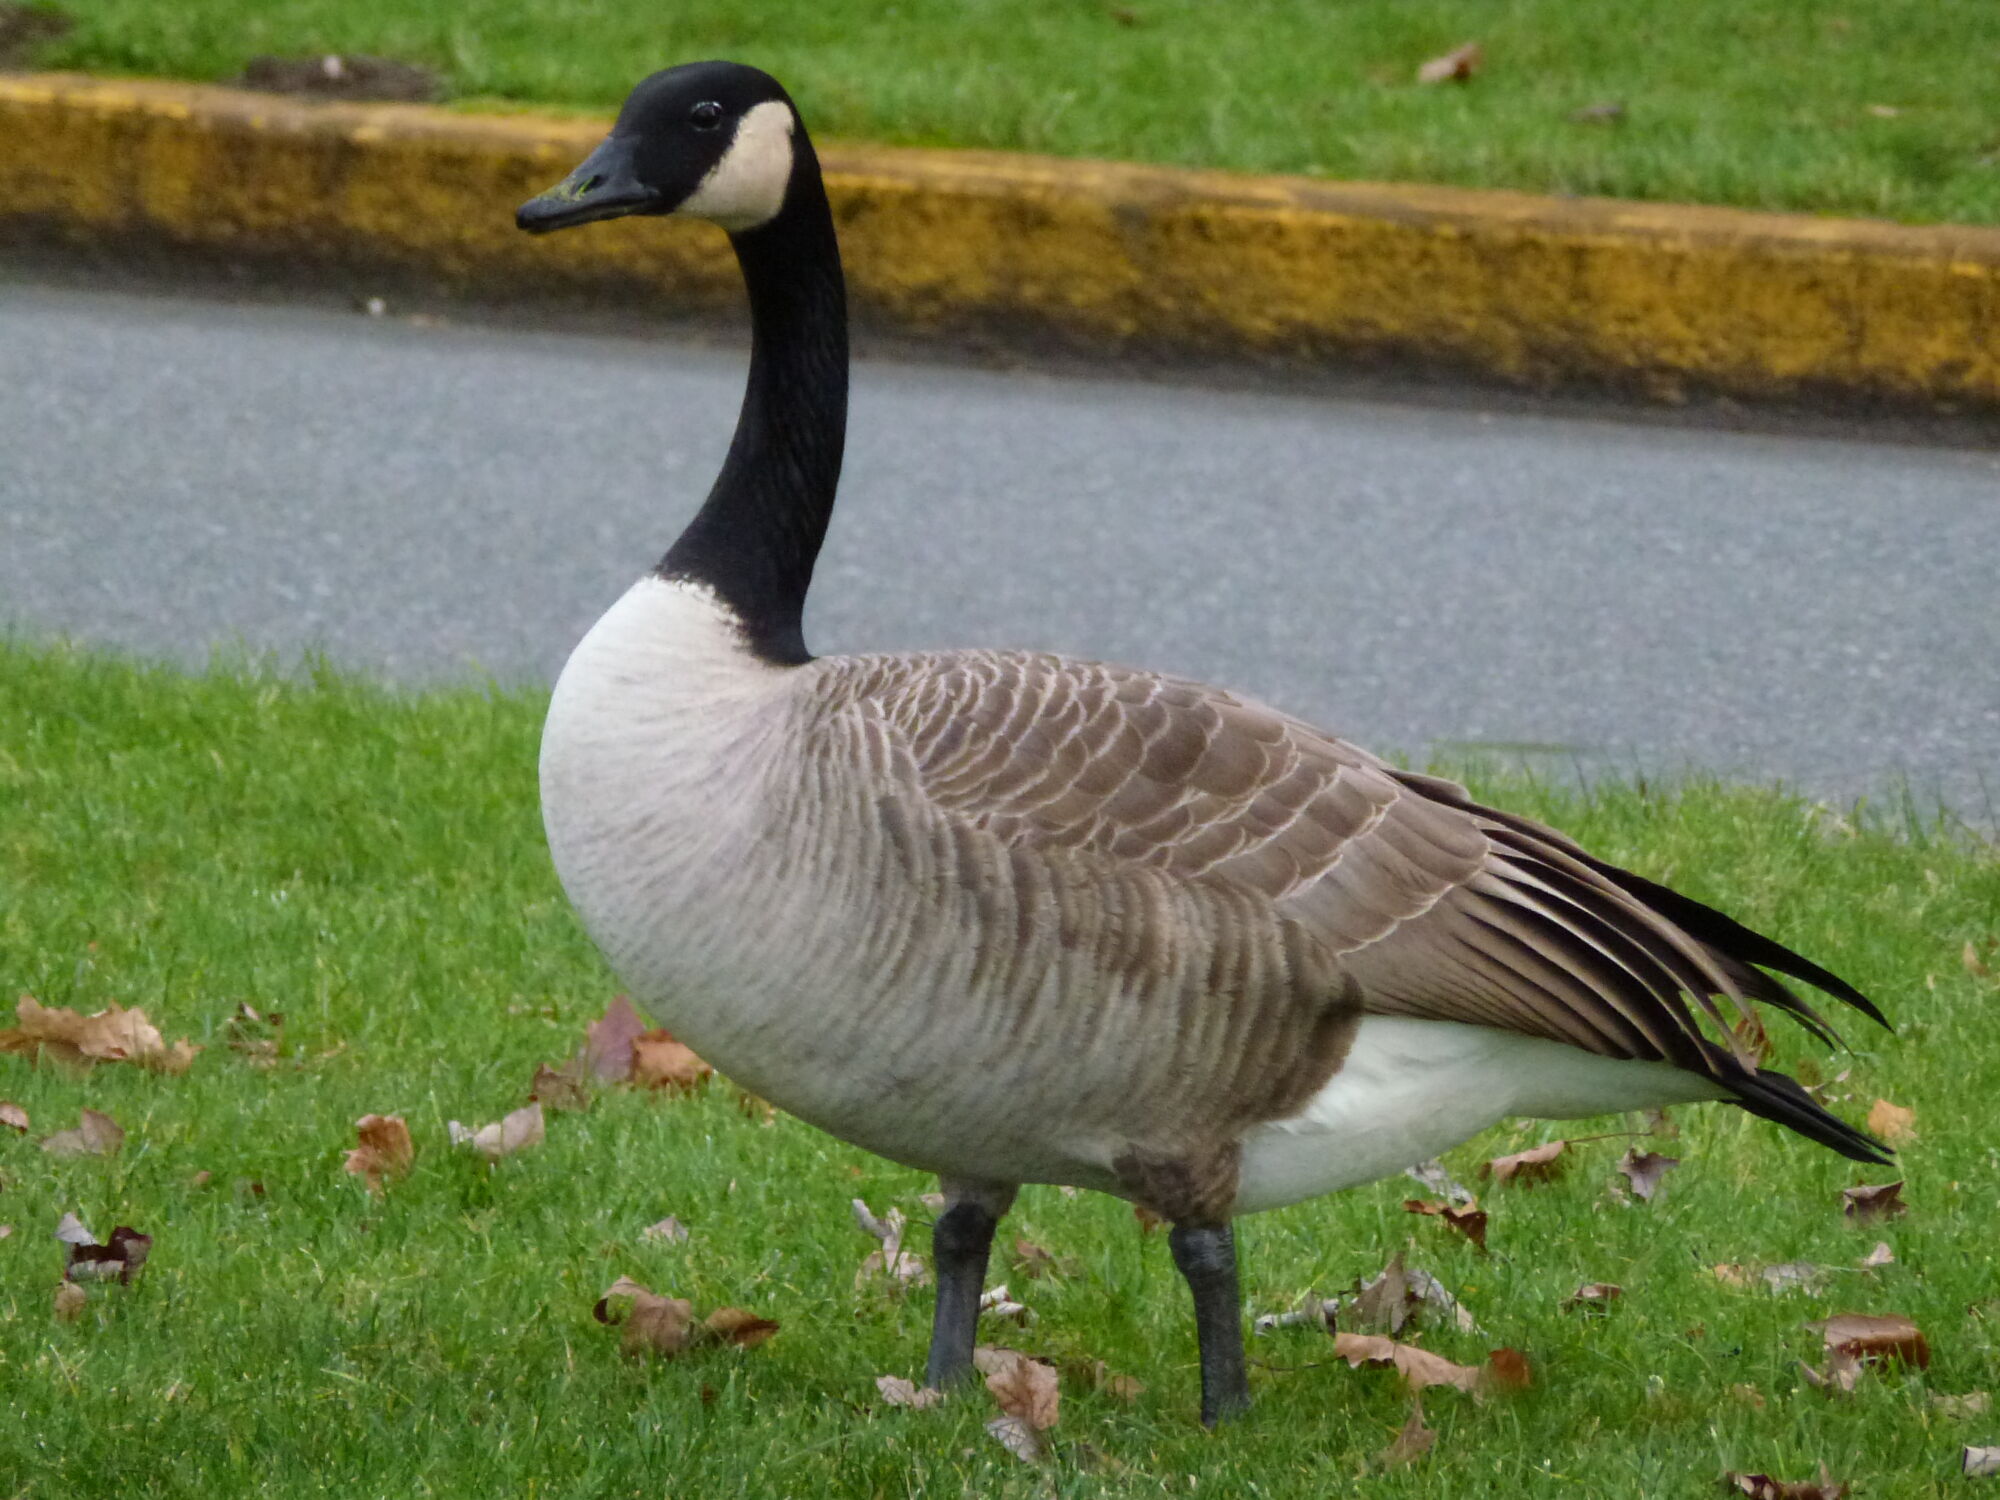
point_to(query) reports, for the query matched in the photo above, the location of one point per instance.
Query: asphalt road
(426, 501)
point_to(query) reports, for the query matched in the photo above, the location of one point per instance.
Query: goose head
(708, 140)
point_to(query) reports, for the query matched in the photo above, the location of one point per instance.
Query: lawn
(1875, 107)
(369, 863)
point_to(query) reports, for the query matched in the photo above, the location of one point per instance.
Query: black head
(714, 140)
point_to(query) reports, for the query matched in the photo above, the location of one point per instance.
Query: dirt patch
(352, 76)
(23, 28)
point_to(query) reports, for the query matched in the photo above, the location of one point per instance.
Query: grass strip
(1871, 107)
(369, 863)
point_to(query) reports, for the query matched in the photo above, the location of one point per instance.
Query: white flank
(1411, 1089)
(747, 187)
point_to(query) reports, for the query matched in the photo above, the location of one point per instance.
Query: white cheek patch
(747, 187)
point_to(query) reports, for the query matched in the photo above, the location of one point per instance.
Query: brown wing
(1439, 907)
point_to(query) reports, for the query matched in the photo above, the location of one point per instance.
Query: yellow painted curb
(1529, 289)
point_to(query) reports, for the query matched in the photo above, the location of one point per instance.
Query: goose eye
(705, 115)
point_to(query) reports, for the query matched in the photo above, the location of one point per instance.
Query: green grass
(370, 864)
(1764, 103)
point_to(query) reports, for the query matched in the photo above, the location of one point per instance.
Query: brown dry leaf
(1383, 1303)
(1593, 1296)
(669, 1231)
(1025, 1388)
(69, 1302)
(13, 1116)
(1467, 1219)
(1419, 1367)
(1644, 1170)
(1732, 1274)
(1411, 1444)
(1892, 1122)
(1866, 1204)
(119, 1260)
(385, 1150)
(1036, 1261)
(1019, 1439)
(1764, 1487)
(111, 1035)
(1456, 66)
(652, 1324)
(1541, 1164)
(95, 1135)
(1875, 1340)
(660, 1062)
(1508, 1370)
(738, 1326)
(1881, 1255)
(560, 1089)
(1976, 966)
(517, 1131)
(1842, 1373)
(607, 1042)
(1962, 1408)
(1979, 1463)
(896, 1391)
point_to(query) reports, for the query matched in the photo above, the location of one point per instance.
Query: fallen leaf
(13, 1116)
(1507, 1370)
(1433, 1176)
(1411, 1443)
(652, 1324)
(1593, 1296)
(560, 1089)
(660, 1062)
(1732, 1274)
(69, 1302)
(1456, 66)
(385, 1150)
(1019, 1439)
(1419, 1368)
(1384, 1303)
(1035, 1261)
(896, 1391)
(669, 1231)
(120, 1259)
(1881, 1255)
(1962, 1408)
(1024, 1388)
(1540, 1164)
(1875, 1340)
(1764, 1487)
(1892, 1122)
(72, 1231)
(94, 1135)
(1467, 1220)
(1865, 1204)
(1979, 1463)
(515, 1132)
(607, 1042)
(735, 1325)
(995, 1303)
(900, 1267)
(111, 1035)
(1644, 1170)
(1318, 1311)
(1841, 1375)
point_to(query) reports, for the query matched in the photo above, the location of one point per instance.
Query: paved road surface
(421, 501)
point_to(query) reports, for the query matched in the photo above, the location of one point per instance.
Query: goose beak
(603, 187)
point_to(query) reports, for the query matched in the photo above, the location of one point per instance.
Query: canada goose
(1011, 917)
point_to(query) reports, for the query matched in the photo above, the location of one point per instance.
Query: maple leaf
(896, 1391)
(736, 1325)
(1411, 1443)
(1455, 66)
(1881, 1255)
(1027, 1392)
(111, 1035)
(1644, 1170)
(1419, 1368)
(517, 1131)
(1892, 1122)
(1593, 1296)
(1764, 1487)
(95, 1135)
(660, 1062)
(560, 1089)
(1866, 1203)
(1875, 1340)
(120, 1259)
(1539, 1164)
(385, 1150)
(607, 1042)
(652, 1324)
(1396, 1295)
(1467, 1219)
(13, 1116)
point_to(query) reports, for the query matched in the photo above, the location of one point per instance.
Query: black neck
(755, 539)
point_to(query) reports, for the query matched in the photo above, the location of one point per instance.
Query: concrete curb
(1661, 299)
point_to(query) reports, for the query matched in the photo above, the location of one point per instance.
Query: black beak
(604, 187)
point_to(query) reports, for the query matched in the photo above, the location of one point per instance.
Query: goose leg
(1206, 1256)
(960, 1243)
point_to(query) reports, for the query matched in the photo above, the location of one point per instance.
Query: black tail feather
(1779, 1097)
